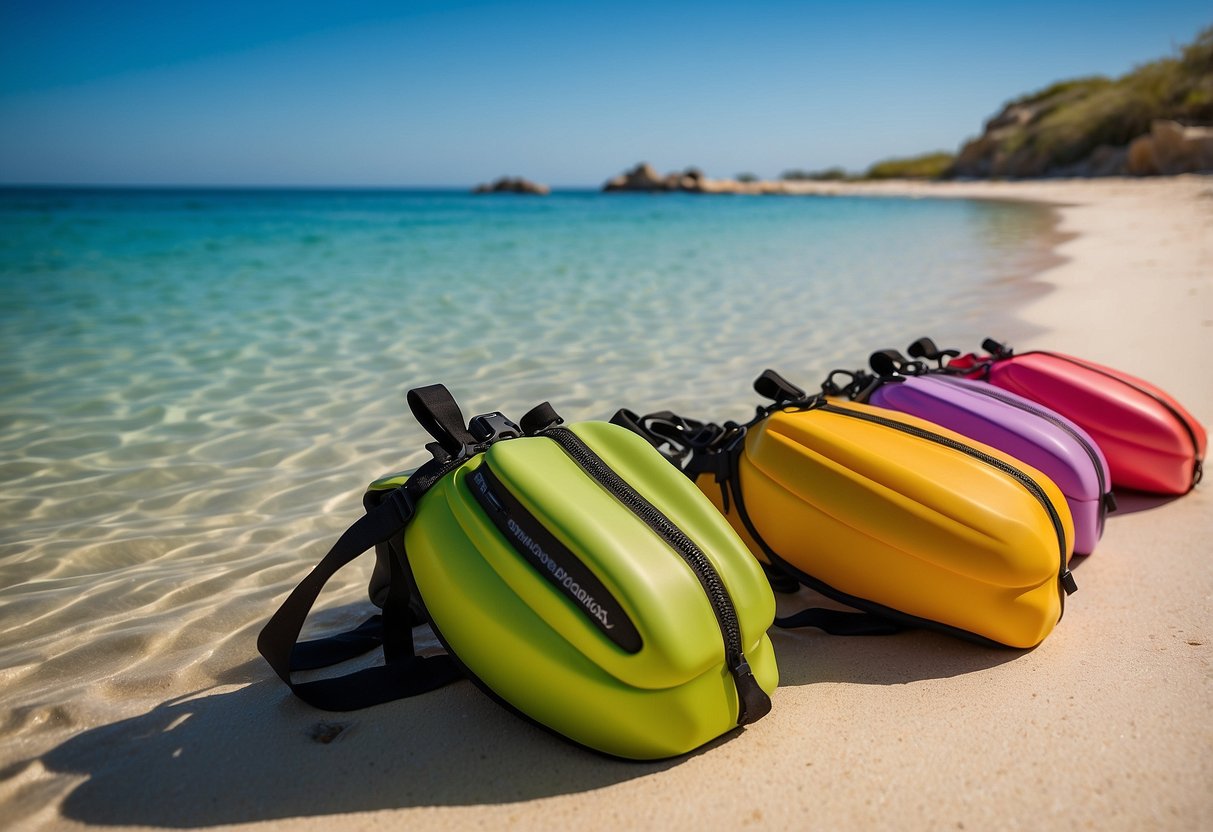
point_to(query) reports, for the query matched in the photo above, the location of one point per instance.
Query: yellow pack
(910, 522)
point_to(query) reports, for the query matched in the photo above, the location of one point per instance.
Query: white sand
(1107, 725)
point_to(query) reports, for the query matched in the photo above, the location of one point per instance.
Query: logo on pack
(560, 575)
(552, 559)
(482, 485)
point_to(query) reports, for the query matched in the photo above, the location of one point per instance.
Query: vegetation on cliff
(926, 166)
(1157, 119)
(1084, 126)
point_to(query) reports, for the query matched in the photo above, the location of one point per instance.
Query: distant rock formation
(512, 185)
(644, 178)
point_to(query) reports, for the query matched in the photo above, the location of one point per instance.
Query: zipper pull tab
(1109, 503)
(752, 701)
(1068, 583)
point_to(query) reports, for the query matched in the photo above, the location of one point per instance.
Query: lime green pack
(569, 571)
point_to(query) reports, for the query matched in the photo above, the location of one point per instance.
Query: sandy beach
(1107, 725)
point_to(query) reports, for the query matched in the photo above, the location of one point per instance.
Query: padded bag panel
(664, 485)
(1066, 455)
(923, 529)
(1149, 446)
(535, 648)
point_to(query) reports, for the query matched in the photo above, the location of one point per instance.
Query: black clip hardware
(491, 427)
(925, 348)
(997, 349)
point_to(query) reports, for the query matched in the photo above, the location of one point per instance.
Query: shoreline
(1109, 723)
(1108, 225)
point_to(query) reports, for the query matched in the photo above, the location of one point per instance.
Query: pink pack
(1150, 441)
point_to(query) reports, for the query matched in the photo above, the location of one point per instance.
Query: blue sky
(452, 93)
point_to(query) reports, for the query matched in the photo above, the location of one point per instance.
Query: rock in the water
(513, 185)
(643, 177)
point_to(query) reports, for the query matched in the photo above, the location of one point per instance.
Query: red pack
(1150, 441)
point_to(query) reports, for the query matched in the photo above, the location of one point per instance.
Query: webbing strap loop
(840, 623)
(438, 413)
(404, 674)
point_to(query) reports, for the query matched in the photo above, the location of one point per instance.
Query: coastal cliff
(1153, 120)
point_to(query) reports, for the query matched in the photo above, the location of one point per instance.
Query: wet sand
(1108, 724)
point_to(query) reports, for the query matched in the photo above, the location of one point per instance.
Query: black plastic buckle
(686, 438)
(733, 435)
(403, 502)
(859, 386)
(890, 363)
(491, 427)
(832, 388)
(771, 385)
(925, 348)
(997, 349)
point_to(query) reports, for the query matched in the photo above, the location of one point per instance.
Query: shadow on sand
(256, 753)
(808, 655)
(1131, 502)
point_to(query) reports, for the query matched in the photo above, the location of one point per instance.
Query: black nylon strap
(840, 623)
(439, 414)
(886, 362)
(681, 441)
(779, 580)
(539, 418)
(404, 674)
(631, 420)
(325, 652)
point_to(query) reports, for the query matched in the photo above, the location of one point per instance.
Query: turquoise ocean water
(196, 385)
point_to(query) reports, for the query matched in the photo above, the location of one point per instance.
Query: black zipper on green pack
(1105, 494)
(753, 702)
(1197, 468)
(1065, 579)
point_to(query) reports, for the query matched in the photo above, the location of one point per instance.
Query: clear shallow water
(195, 386)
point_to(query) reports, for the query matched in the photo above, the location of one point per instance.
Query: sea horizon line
(43, 186)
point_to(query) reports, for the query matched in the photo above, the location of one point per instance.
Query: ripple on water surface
(196, 390)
